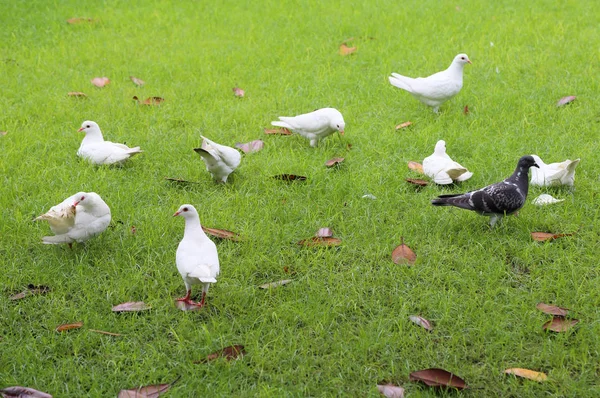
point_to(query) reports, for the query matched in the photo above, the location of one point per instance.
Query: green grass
(342, 325)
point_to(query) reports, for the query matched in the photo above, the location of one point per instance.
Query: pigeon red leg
(201, 303)
(186, 299)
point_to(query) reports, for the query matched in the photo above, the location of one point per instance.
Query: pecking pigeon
(496, 200)
(197, 258)
(96, 150)
(442, 169)
(438, 88)
(314, 126)
(77, 219)
(562, 173)
(220, 160)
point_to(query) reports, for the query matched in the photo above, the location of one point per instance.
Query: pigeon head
(462, 59)
(440, 147)
(85, 199)
(337, 123)
(526, 162)
(89, 127)
(186, 211)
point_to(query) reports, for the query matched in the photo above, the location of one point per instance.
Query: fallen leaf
(348, 147)
(69, 326)
(23, 392)
(136, 81)
(282, 131)
(252, 146)
(403, 254)
(76, 94)
(275, 284)
(333, 162)
(559, 324)
(181, 180)
(391, 391)
(222, 234)
(133, 230)
(403, 125)
(30, 291)
(544, 236)
(103, 332)
(289, 177)
(421, 322)
(527, 374)
(153, 391)
(466, 110)
(238, 92)
(229, 353)
(316, 241)
(345, 50)
(100, 81)
(545, 199)
(131, 306)
(435, 377)
(149, 100)
(418, 167)
(74, 21)
(3, 133)
(324, 232)
(417, 181)
(566, 100)
(552, 309)
(369, 196)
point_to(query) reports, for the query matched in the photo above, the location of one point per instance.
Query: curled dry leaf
(149, 100)
(289, 177)
(23, 392)
(543, 236)
(69, 326)
(403, 125)
(333, 162)
(417, 181)
(103, 332)
(238, 92)
(275, 284)
(560, 324)
(30, 291)
(552, 309)
(229, 353)
(403, 254)
(324, 232)
(3, 133)
(316, 241)
(435, 377)
(545, 199)
(391, 391)
(131, 306)
(416, 166)
(100, 81)
(527, 374)
(222, 234)
(136, 81)
(566, 100)
(281, 131)
(345, 50)
(181, 180)
(76, 94)
(419, 320)
(252, 146)
(153, 391)
(75, 21)
(466, 110)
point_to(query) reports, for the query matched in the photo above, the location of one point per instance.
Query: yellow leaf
(527, 374)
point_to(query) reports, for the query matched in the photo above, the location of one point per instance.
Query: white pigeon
(438, 88)
(562, 173)
(314, 126)
(442, 169)
(78, 218)
(220, 160)
(197, 258)
(96, 150)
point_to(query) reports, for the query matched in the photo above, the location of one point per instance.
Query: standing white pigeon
(96, 150)
(496, 200)
(220, 160)
(438, 88)
(197, 258)
(77, 219)
(314, 126)
(442, 169)
(562, 173)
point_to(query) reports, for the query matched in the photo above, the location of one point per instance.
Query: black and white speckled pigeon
(496, 200)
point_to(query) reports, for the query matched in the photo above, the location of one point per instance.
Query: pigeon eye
(185, 209)
(87, 127)
(82, 198)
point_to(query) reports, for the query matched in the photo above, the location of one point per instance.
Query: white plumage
(442, 169)
(197, 258)
(220, 160)
(96, 150)
(77, 218)
(562, 173)
(438, 88)
(314, 126)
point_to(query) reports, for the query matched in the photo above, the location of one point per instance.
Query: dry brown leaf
(466, 110)
(403, 254)
(403, 125)
(281, 131)
(560, 324)
(222, 234)
(23, 392)
(417, 181)
(133, 230)
(136, 81)
(229, 353)
(76, 94)
(3, 133)
(345, 50)
(100, 81)
(419, 320)
(74, 21)
(324, 232)
(149, 100)
(30, 291)
(566, 100)
(435, 377)
(552, 309)
(103, 332)
(153, 391)
(544, 236)
(316, 241)
(238, 92)
(69, 326)
(252, 146)
(527, 374)
(275, 284)
(333, 162)
(289, 177)
(181, 180)
(391, 391)
(418, 167)
(131, 306)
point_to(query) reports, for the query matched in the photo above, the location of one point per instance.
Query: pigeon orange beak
(80, 130)
(75, 203)
(341, 132)
(176, 213)
(469, 61)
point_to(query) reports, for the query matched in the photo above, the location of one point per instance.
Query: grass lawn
(342, 325)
